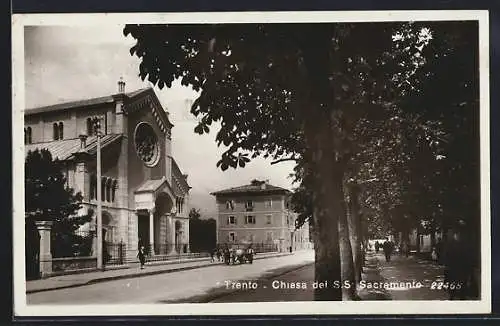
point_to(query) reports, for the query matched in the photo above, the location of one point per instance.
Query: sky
(72, 63)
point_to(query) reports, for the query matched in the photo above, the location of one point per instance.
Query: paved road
(168, 287)
(296, 285)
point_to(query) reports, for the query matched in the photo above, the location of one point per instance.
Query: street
(167, 287)
(289, 278)
(297, 284)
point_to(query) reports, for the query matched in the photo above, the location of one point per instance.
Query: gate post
(44, 228)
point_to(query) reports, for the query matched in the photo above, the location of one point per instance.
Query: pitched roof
(150, 185)
(64, 149)
(255, 187)
(82, 103)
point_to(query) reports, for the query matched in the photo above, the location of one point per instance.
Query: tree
(202, 232)
(419, 184)
(48, 198)
(194, 214)
(290, 91)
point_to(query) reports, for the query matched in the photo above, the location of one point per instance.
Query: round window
(146, 144)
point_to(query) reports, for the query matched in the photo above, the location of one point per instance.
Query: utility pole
(97, 125)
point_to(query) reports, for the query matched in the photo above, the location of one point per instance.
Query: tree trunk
(346, 258)
(355, 237)
(327, 202)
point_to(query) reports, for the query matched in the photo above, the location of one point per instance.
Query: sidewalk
(411, 270)
(153, 268)
(371, 274)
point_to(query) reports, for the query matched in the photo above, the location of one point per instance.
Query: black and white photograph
(251, 163)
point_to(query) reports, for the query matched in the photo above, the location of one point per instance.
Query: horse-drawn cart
(239, 255)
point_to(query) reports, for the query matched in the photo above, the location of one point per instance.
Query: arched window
(103, 188)
(61, 130)
(93, 187)
(109, 185)
(56, 131)
(113, 190)
(90, 127)
(28, 135)
(25, 137)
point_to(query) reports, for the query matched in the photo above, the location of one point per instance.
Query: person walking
(213, 254)
(377, 246)
(404, 249)
(142, 256)
(219, 254)
(387, 246)
(439, 251)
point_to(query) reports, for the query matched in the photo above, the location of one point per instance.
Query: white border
(279, 308)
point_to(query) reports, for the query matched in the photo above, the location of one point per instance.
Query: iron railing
(114, 253)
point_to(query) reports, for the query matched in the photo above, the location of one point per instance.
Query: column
(44, 228)
(171, 235)
(186, 237)
(162, 239)
(151, 231)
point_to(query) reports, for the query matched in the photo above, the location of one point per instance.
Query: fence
(118, 254)
(114, 253)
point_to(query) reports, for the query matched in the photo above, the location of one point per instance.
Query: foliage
(255, 78)
(48, 198)
(194, 214)
(412, 165)
(343, 100)
(202, 232)
(429, 181)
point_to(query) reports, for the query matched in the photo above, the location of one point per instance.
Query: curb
(121, 277)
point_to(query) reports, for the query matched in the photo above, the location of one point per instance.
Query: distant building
(144, 193)
(258, 213)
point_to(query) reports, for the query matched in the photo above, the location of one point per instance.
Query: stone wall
(73, 263)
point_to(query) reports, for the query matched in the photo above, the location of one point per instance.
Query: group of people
(219, 254)
(459, 261)
(224, 254)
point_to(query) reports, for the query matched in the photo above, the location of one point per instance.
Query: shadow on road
(264, 291)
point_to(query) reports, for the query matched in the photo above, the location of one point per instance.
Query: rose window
(146, 144)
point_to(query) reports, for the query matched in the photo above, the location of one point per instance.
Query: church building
(145, 195)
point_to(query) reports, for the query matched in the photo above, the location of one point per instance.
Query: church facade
(145, 196)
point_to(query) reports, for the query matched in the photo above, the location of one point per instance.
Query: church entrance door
(143, 231)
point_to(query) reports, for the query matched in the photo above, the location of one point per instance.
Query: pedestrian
(377, 246)
(439, 250)
(404, 249)
(142, 256)
(387, 247)
(213, 254)
(458, 267)
(219, 254)
(434, 254)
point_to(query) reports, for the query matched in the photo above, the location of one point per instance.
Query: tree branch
(284, 160)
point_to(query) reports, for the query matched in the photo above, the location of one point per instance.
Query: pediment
(149, 101)
(145, 196)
